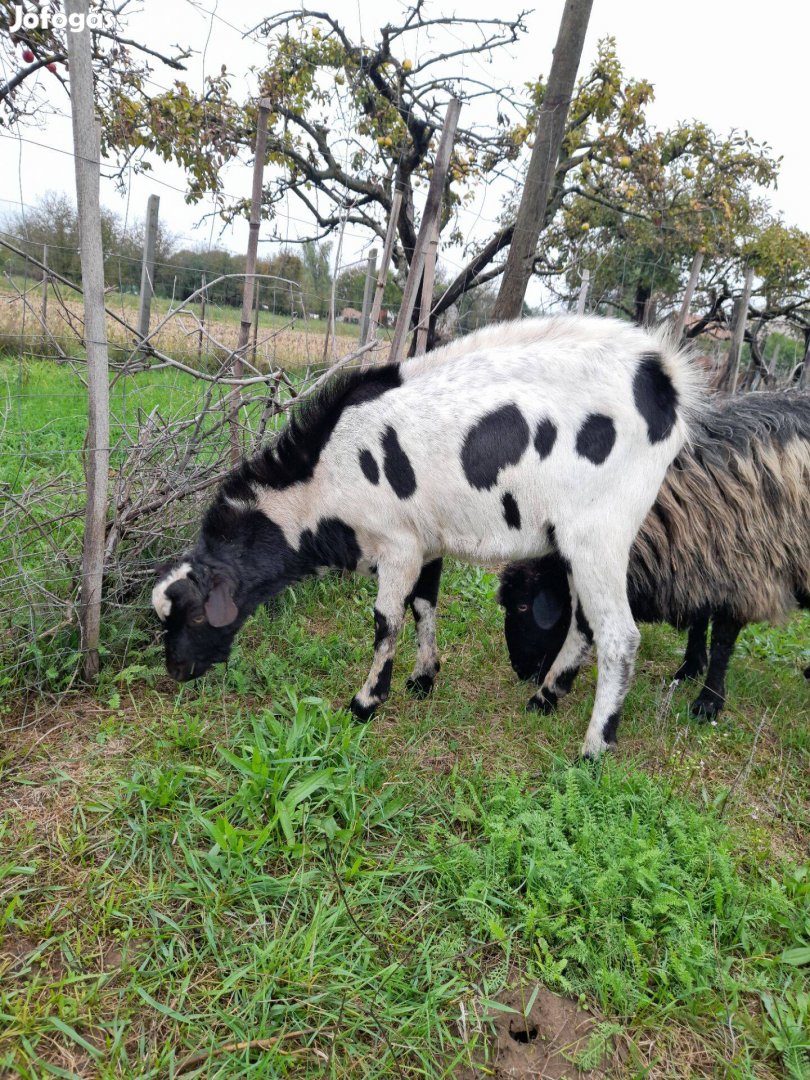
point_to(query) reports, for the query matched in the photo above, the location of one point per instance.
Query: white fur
(160, 602)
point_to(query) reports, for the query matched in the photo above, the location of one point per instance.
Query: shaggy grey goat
(728, 539)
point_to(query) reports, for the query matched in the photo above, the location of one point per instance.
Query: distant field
(282, 342)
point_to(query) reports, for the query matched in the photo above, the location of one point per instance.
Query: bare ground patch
(536, 1033)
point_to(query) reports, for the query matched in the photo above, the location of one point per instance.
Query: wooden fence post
(368, 290)
(45, 281)
(433, 205)
(250, 270)
(548, 139)
(428, 279)
(582, 299)
(203, 281)
(804, 373)
(683, 314)
(150, 232)
(382, 275)
(86, 149)
(255, 323)
(740, 318)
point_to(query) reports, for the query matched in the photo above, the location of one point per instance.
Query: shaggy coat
(728, 538)
(523, 438)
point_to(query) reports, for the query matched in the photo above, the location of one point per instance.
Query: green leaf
(286, 824)
(306, 788)
(74, 1036)
(163, 1009)
(797, 956)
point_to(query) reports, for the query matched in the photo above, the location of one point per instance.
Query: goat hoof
(595, 753)
(807, 672)
(420, 686)
(361, 713)
(544, 701)
(688, 671)
(705, 708)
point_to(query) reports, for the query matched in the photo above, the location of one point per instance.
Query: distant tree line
(303, 276)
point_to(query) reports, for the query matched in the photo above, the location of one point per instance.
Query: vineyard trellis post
(428, 280)
(739, 319)
(250, 270)
(430, 216)
(385, 262)
(45, 281)
(150, 233)
(368, 292)
(203, 293)
(256, 302)
(582, 299)
(686, 303)
(804, 373)
(87, 151)
(548, 139)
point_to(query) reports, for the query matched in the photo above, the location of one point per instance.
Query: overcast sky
(731, 63)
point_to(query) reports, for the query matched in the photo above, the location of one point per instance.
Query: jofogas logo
(42, 18)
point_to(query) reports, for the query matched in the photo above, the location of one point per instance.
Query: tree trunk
(543, 163)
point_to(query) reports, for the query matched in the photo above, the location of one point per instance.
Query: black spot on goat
(544, 438)
(371, 469)
(511, 511)
(397, 466)
(496, 440)
(655, 397)
(595, 438)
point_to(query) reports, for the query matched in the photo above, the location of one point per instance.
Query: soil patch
(553, 1040)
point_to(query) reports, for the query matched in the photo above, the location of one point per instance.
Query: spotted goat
(727, 541)
(520, 439)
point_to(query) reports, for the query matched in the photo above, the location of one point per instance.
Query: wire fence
(171, 415)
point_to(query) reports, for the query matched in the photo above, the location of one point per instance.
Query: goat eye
(523, 607)
(197, 620)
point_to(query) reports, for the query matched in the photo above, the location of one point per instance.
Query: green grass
(237, 861)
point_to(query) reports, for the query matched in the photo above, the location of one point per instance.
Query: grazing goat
(728, 539)
(519, 439)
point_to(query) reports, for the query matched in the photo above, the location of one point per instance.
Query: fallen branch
(199, 1058)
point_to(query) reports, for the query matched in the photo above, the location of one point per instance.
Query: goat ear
(220, 609)
(547, 608)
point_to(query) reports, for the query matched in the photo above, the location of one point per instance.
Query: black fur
(383, 684)
(496, 440)
(421, 686)
(544, 438)
(397, 466)
(381, 629)
(292, 457)
(511, 511)
(595, 438)
(655, 397)
(610, 728)
(362, 713)
(334, 544)
(427, 584)
(371, 469)
(522, 583)
(583, 625)
(544, 701)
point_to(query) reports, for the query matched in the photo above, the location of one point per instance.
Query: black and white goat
(727, 540)
(522, 438)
